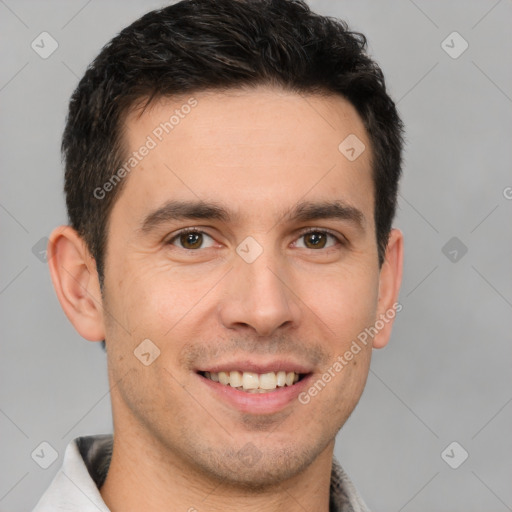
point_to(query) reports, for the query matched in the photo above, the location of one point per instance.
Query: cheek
(346, 302)
(149, 297)
(168, 300)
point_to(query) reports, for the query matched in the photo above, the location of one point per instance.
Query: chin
(254, 470)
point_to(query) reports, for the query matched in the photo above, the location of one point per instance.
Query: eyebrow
(203, 210)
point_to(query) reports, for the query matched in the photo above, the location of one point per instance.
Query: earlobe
(75, 279)
(389, 288)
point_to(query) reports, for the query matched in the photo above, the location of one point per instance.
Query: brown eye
(315, 240)
(318, 239)
(190, 240)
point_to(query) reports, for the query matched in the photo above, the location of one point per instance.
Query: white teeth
(281, 378)
(250, 380)
(268, 380)
(235, 379)
(253, 382)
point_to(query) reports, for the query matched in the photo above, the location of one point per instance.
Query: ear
(389, 288)
(75, 279)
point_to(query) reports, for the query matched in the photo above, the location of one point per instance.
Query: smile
(252, 382)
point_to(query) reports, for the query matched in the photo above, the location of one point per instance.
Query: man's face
(251, 293)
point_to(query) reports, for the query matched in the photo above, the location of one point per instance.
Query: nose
(259, 296)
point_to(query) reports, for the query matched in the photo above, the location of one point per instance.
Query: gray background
(445, 375)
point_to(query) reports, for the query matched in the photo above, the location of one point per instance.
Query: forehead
(260, 150)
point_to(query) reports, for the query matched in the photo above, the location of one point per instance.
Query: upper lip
(246, 365)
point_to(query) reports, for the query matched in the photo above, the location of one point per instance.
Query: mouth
(252, 382)
(256, 387)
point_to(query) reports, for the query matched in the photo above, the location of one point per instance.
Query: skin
(256, 152)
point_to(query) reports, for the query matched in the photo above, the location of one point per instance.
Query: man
(231, 179)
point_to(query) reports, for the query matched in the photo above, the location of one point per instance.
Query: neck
(141, 477)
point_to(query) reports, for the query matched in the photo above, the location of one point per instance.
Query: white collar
(73, 489)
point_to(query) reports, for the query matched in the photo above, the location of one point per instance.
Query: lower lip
(258, 403)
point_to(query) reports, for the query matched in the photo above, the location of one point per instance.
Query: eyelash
(338, 238)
